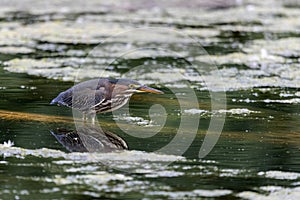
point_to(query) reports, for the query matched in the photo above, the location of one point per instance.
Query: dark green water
(255, 46)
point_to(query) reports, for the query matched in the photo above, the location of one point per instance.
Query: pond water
(244, 54)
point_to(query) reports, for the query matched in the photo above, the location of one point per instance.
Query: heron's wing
(83, 99)
(64, 98)
(87, 99)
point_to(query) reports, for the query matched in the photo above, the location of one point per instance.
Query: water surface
(45, 47)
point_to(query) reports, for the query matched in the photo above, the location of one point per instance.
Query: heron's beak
(149, 89)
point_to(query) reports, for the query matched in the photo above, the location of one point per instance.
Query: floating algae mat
(256, 51)
(245, 53)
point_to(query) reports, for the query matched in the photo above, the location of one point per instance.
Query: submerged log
(22, 116)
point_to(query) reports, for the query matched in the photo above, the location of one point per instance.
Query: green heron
(100, 95)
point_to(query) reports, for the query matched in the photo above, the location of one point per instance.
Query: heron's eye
(132, 86)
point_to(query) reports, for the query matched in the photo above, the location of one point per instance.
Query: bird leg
(93, 117)
(84, 118)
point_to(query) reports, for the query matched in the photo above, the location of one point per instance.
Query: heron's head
(130, 87)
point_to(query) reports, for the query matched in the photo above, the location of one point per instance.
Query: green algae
(270, 61)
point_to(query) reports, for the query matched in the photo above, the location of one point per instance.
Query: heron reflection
(89, 138)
